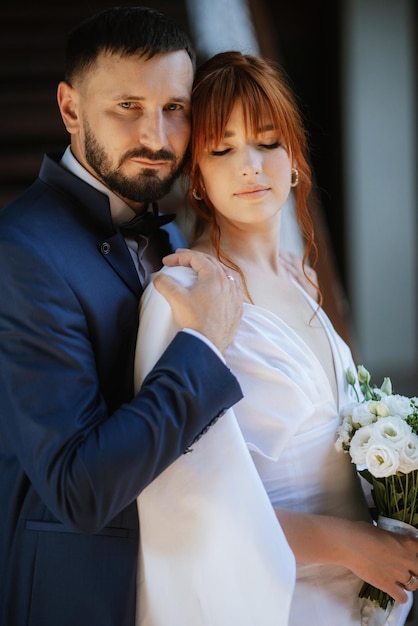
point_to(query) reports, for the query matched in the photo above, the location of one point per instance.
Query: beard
(144, 187)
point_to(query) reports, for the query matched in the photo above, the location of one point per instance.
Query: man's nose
(152, 131)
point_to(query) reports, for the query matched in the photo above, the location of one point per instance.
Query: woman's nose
(251, 162)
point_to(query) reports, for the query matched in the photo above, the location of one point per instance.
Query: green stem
(355, 391)
(373, 593)
(414, 501)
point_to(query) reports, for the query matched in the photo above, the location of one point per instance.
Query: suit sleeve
(86, 464)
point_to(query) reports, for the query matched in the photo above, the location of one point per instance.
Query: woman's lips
(254, 192)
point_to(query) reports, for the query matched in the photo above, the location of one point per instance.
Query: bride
(217, 525)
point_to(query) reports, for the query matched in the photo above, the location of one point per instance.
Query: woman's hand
(384, 559)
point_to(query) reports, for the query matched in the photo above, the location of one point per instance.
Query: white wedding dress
(212, 552)
(288, 419)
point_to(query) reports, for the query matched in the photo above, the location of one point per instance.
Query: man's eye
(173, 107)
(126, 105)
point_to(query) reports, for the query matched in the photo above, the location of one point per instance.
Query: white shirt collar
(119, 210)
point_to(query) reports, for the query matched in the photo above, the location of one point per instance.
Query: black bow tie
(146, 223)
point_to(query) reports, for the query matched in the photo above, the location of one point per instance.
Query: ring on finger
(411, 581)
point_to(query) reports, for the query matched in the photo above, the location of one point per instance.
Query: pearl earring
(196, 195)
(295, 177)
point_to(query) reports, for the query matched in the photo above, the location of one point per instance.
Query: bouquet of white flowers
(380, 432)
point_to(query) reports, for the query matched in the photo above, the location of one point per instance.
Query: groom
(76, 447)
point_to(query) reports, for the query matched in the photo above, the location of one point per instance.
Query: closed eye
(263, 146)
(216, 153)
(270, 146)
(219, 152)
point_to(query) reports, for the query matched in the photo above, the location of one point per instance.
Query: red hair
(261, 88)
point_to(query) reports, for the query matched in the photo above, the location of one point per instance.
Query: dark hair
(125, 31)
(261, 87)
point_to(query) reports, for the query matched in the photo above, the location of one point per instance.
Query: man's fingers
(168, 287)
(198, 261)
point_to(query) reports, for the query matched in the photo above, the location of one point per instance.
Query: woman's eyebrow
(261, 129)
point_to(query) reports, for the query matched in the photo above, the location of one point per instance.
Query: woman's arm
(381, 558)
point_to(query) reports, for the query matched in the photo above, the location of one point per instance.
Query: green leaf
(366, 475)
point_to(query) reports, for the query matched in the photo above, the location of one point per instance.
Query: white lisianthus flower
(392, 431)
(363, 375)
(360, 443)
(398, 405)
(347, 410)
(384, 445)
(381, 460)
(351, 379)
(408, 455)
(386, 387)
(344, 433)
(362, 414)
(381, 409)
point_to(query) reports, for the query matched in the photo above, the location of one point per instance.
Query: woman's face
(247, 177)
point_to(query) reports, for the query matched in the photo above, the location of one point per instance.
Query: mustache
(146, 153)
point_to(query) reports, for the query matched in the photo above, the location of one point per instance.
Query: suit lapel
(93, 211)
(114, 250)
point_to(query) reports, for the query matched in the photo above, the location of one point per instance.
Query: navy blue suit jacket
(76, 447)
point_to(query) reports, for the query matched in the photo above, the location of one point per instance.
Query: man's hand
(212, 306)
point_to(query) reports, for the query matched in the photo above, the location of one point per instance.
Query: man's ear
(67, 98)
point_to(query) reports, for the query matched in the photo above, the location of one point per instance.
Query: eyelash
(270, 146)
(216, 153)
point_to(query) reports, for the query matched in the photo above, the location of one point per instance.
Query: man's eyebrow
(182, 99)
(127, 97)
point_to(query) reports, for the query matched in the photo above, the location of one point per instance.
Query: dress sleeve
(157, 327)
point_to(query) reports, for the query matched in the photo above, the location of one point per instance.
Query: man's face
(134, 123)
